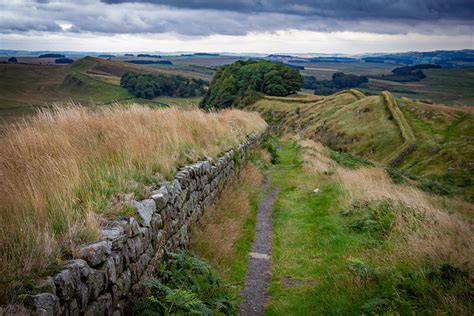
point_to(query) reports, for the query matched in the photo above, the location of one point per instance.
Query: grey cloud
(204, 17)
(345, 9)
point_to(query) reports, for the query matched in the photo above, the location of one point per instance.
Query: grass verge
(363, 245)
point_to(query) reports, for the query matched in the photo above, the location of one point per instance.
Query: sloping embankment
(409, 140)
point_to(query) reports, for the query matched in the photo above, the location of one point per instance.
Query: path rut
(255, 292)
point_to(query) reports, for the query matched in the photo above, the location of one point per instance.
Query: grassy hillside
(63, 171)
(90, 81)
(367, 127)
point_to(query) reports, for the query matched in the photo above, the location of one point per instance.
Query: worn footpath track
(255, 292)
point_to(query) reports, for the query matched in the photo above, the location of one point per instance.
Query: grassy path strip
(259, 263)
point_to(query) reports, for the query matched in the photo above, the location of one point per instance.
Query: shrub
(349, 160)
(363, 273)
(188, 286)
(375, 218)
(272, 145)
(396, 176)
(149, 86)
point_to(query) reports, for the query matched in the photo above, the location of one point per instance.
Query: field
(65, 170)
(447, 85)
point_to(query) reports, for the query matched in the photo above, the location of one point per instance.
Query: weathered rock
(114, 233)
(96, 253)
(44, 304)
(161, 197)
(145, 210)
(65, 283)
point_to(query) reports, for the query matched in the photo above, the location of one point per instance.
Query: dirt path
(259, 264)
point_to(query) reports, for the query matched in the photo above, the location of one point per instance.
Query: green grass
(338, 256)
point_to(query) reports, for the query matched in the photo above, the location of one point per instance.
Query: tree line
(242, 82)
(149, 86)
(338, 82)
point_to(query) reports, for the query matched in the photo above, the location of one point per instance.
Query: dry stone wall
(106, 276)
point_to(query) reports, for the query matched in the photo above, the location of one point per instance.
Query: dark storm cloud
(343, 9)
(204, 17)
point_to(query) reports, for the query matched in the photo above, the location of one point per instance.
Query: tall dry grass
(445, 234)
(59, 169)
(223, 223)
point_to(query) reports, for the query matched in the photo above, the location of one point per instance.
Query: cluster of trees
(338, 82)
(149, 86)
(148, 62)
(51, 56)
(12, 60)
(408, 73)
(149, 56)
(242, 82)
(63, 61)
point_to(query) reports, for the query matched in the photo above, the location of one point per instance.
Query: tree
(240, 83)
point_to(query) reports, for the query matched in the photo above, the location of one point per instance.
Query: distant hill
(89, 80)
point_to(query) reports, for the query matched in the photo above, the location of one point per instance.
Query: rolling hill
(430, 144)
(89, 81)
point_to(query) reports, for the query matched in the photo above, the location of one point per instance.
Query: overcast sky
(259, 26)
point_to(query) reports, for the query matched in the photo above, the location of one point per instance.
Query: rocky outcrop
(106, 275)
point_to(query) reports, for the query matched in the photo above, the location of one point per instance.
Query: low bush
(349, 160)
(362, 272)
(442, 289)
(271, 144)
(396, 176)
(375, 218)
(188, 286)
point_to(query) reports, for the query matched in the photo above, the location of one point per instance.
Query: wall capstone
(105, 278)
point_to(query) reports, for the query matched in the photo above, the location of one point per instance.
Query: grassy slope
(341, 121)
(366, 128)
(323, 267)
(25, 87)
(444, 143)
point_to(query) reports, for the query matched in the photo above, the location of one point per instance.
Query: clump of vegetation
(149, 86)
(396, 176)
(439, 288)
(408, 73)
(438, 188)
(349, 160)
(271, 144)
(63, 61)
(51, 56)
(240, 83)
(187, 285)
(363, 273)
(339, 82)
(375, 218)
